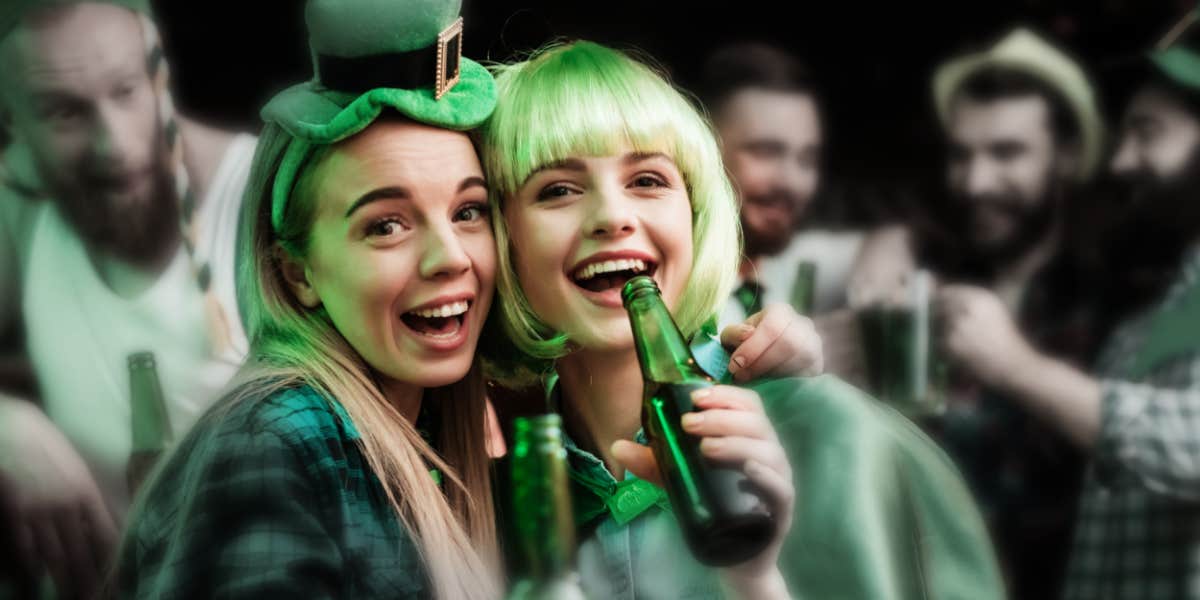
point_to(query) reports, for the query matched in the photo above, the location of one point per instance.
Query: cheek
(540, 245)
(752, 176)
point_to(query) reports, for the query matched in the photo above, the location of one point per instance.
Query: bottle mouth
(637, 287)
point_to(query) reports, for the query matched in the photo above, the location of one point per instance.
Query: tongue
(432, 325)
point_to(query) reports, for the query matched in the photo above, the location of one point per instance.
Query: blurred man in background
(98, 176)
(767, 113)
(1024, 135)
(1138, 415)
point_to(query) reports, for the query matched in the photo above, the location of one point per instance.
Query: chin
(429, 374)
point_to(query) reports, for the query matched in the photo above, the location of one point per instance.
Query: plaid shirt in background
(269, 498)
(1138, 531)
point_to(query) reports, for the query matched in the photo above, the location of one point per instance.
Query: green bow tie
(625, 500)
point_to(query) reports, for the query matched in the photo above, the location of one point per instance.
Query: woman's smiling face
(581, 227)
(401, 253)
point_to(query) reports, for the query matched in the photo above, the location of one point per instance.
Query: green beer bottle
(148, 414)
(543, 527)
(723, 516)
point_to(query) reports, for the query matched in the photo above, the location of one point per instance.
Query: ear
(296, 274)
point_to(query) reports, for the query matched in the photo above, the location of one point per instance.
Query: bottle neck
(663, 352)
(151, 428)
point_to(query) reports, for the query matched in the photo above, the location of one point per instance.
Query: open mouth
(609, 274)
(439, 321)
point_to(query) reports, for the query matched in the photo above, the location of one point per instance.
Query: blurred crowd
(1038, 315)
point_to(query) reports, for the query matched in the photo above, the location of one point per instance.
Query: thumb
(733, 335)
(638, 459)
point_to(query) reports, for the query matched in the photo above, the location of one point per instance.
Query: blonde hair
(582, 98)
(454, 530)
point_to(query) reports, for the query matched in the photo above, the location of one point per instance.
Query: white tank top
(79, 332)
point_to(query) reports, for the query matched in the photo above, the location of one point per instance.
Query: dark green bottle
(723, 516)
(148, 415)
(543, 526)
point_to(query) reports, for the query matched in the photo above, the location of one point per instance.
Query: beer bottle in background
(148, 414)
(723, 516)
(804, 290)
(543, 526)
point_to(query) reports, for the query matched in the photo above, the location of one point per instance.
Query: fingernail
(691, 420)
(741, 361)
(701, 393)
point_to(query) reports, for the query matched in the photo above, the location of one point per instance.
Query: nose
(788, 176)
(611, 214)
(443, 256)
(114, 139)
(983, 178)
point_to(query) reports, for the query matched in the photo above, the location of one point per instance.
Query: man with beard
(1138, 416)
(98, 177)
(766, 111)
(1024, 134)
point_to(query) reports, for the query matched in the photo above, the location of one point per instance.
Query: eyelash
(656, 180)
(374, 228)
(479, 206)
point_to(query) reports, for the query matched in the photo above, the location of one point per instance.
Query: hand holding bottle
(735, 431)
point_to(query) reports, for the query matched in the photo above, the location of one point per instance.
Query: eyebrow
(402, 193)
(575, 164)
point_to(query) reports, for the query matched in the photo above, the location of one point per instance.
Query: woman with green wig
(601, 170)
(349, 460)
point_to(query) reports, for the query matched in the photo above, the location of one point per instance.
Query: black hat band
(435, 66)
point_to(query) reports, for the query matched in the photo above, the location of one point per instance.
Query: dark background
(873, 60)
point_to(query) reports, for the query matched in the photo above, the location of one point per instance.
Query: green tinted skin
(541, 505)
(148, 413)
(724, 519)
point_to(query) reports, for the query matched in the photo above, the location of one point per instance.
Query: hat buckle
(449, 58)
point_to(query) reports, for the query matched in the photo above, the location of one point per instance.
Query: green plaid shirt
(269, 498)
(1138, 531)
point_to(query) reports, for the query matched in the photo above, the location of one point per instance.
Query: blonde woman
(350, 460)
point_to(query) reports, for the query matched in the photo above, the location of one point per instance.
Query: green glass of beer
(903, 369)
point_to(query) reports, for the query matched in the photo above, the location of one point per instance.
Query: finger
(50, 552)
(797, 352)
(740, 450)
(727, 396)
(719, 422)
(734, 335)
(774, 322)
(637, 459)
(778, 490)
(80, 562)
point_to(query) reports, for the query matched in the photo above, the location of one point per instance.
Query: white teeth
(445, 310)
(610, 266)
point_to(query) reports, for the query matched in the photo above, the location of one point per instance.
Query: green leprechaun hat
(375, 55)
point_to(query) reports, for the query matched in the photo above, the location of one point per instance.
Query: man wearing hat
(117, 226)
(1024, 134)
(1138, 416)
